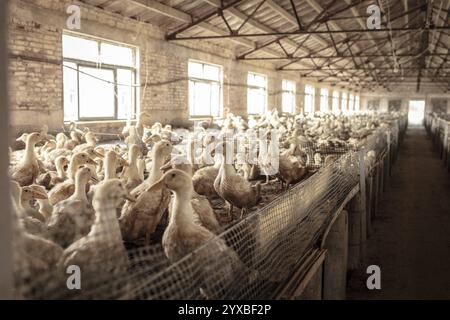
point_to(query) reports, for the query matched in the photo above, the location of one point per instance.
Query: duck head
(111, 192)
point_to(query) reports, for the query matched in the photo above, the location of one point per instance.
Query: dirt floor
(410, 238)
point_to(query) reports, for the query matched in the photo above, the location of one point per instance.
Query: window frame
(265, 89)
(336, 96)
(105, 66)
(313, 98)
(208, 81)
(292, 93)
(322, 99)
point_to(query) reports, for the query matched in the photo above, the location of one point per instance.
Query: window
(324, 100)
(344, 103)
(335, 102)
(357, 103)
(100, 79)
(205, 89)
(256, 93)
(288, 98)
(309, 99)
(351, 103)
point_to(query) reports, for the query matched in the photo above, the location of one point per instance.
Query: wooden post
(357, 220)
(6, 263)
(376, 178)
(369, 203)
(335, 266)
(313, 290)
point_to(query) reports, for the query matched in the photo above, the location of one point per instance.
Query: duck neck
(80, 188)
(73, 167)
(106, 224)
(60, 170)
(156, 173)
(182, 209)
(110, 169)
(30, 155)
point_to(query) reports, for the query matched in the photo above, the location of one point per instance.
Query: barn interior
(225, 149)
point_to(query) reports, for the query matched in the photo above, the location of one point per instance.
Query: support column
(6, 264)
(335, 265)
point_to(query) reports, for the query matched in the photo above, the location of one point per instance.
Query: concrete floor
(410, 239)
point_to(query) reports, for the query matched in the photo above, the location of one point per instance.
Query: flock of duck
(77, 201)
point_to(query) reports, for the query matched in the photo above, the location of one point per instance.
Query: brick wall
(35, 33)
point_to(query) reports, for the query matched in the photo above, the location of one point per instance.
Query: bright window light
(416, 111)
(100, 79)
(344, 103)
(357, 103)
(351, 102)
(335, 105)
(288, 98)
(256, 93)
(205, 89)
(324, 100)
(309, 99)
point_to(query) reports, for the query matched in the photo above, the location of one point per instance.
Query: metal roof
(325, 40)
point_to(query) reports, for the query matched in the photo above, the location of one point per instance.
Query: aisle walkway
(410, 238)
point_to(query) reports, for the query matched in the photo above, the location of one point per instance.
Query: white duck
(72, 218)
(27, 170)
(101, 253)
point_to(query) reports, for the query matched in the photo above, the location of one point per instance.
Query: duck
(91, 141)
(235, 189)
(131, 174)
(30, 194)
(184, 235)
(73, 217)
(203, 211)
(66, 188)
(45, 208)
(203, 179)
(160, 152)
(139, 218)
(33, 255)
(101, 254)
(113, 161)
(52, 178)
(290, 170)
(27, 170)
(74, 140)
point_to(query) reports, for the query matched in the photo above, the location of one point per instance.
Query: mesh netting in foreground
(261, 253)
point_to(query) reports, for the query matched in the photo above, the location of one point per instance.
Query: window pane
(288, 97)
(335, 101)
(116, 55)
(215, 100)
(211, 72)
(204, 96)
(96, 96)
(195, 70)
(79, 48)
(324, 100)
(125, 94)
(70, 92)
(309, 99)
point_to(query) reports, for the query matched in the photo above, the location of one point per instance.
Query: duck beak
(39, 195)
(94, 179)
